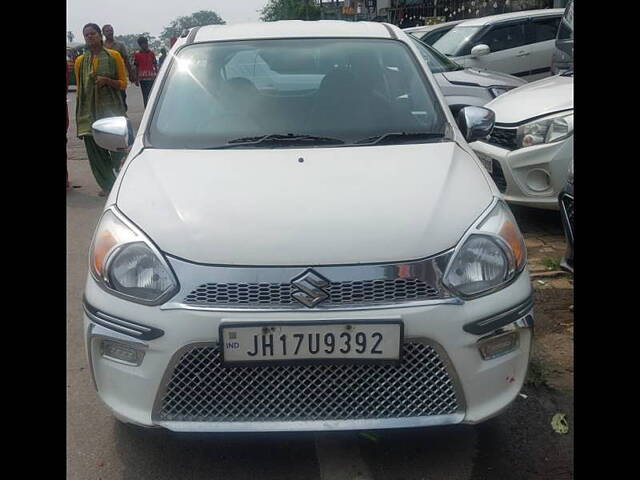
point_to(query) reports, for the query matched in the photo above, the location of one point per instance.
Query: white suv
(320, 250)
(518, 43)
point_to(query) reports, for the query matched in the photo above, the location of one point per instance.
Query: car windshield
(294, 92)
(455, 40)
(437, 62)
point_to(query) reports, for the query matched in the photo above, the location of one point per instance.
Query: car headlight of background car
(491, 255)
(500, 89)
(126, 263)
(545, 130)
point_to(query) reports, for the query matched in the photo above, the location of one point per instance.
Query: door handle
(523, 54)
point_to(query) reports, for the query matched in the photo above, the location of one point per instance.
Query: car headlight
(500, 89)
(545, 130)
(125, 262)
(490, 256)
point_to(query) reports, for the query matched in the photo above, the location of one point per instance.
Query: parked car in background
(430, 33)
(517, 43)
(562, 59)
(465, 86)
(322, 252)
(566, 213)
(529, 150)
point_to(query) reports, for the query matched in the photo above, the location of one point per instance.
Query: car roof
(478, 22)
(429, 28)
(292, 28)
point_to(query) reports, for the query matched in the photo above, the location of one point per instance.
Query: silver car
(461, 86)
(429, 34)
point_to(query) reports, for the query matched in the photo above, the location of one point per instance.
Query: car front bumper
(483, 387)
(517, 169)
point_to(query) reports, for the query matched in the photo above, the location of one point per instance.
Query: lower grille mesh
(200, 389)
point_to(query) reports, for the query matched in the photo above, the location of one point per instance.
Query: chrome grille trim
(368, 292)
(423, 390)
(352, 287)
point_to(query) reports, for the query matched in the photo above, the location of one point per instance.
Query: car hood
(482, 78)
(337, 206)
(546, 96)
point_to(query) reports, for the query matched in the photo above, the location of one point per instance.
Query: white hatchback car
(531, 147)
(319, 250)
(517, 43)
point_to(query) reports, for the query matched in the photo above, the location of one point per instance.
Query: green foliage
(551, 263)
(290, 10)
(197, 19)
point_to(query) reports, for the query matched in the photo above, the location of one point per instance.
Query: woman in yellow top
(100, 75)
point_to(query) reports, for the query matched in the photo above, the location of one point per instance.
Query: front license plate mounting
(334, 341)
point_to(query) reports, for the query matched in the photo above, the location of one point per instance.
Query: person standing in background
(121, 48)
(101, 76)
(146, 67)
(163, 55)
(65, 138)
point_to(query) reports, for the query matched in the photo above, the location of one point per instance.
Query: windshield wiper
(393, 137)
(568, 73)
(292, 138)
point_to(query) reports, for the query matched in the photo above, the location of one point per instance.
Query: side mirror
(476, 123)
(480, 50)
(113, 133)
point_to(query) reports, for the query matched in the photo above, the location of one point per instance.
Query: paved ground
(519, 444)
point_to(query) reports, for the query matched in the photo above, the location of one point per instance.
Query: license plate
(486, 161)
(370, 341)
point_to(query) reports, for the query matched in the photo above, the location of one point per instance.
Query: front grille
(504, 137)
(200, 389)
(368, 292)
(498, 176)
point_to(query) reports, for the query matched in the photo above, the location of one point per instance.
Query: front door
(541, 36)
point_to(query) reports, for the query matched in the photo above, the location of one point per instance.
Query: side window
(543, 29)
(564, 32)
(566, 26)
(503, 37)
(431, 37)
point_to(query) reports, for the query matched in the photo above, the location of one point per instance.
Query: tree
(131, 41)
(197, 19)
(290, 10)
(70, 36)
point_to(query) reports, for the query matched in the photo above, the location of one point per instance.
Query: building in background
(410, 13)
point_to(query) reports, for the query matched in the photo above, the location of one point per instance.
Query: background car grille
(567, 214)
(567, 201)
(201, 389)
(498, 176)
(340, 293)
(504, 137)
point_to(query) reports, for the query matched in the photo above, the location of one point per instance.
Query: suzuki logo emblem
(311, 286)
